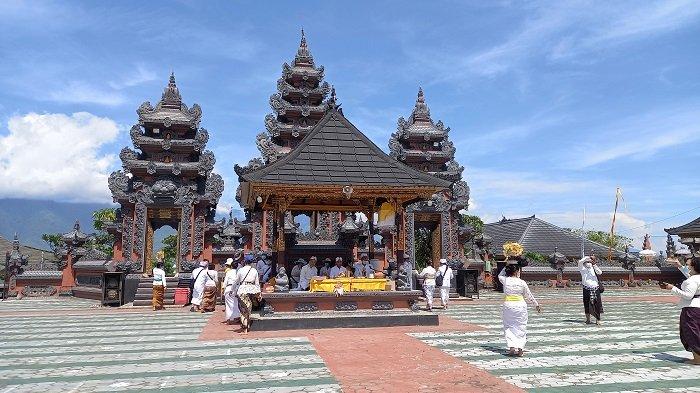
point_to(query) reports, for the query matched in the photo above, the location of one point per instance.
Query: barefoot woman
(689, 293)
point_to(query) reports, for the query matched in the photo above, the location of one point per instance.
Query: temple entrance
(161, 223)
(428, 240)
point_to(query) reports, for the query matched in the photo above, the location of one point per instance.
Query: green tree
(169, 254)
(423, 247)
(103, 240)
(54, 240)
(475, 222)
(615, 241)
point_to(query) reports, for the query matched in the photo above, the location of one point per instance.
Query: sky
(551, 105)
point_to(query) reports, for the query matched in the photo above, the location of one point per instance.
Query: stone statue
(403, 277)
(281, 280)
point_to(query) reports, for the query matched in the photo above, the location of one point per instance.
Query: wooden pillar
(280, 210)
(400, 231)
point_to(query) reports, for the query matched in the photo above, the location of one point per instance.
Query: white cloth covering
(338, 271)
(305, 276)
(588, 273)
(515, 312)
(687, 292)
(446, 272)
(247, 281)
(428, 275)
(230, 287)
(159, 277)
(211, 278)
(198, 288)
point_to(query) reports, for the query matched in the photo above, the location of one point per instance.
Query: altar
(349, 284)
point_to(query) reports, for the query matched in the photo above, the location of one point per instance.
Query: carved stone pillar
(140, 233)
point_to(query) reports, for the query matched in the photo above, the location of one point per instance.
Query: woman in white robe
(515, 315)
(233, 313)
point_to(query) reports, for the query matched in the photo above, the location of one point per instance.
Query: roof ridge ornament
(171, 94)
(421, 111)
(332, 103)
(303, 56)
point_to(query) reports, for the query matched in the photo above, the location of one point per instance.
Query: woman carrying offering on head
(517, 295)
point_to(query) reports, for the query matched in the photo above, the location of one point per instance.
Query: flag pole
(612, 227)
(583, 224)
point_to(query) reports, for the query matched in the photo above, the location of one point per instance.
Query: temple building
(688, 234)
(168, 181)
(298, 105)
(424, 145)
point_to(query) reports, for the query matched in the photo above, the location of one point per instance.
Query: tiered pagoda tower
(169, 181)
(425, 145)
(299, 104)
(296, 107)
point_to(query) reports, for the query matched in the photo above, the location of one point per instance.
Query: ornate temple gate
(168, 182)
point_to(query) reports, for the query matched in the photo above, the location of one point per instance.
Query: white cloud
(81, 92)
(641, 135)
(488, 181)
(141, 75)
(57, 156)
(562, 31)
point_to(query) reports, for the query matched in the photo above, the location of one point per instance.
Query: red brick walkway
(383, 359)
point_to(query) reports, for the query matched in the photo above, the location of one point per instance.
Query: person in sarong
(592, 301)
(233, 314)
(197, 286)
(248, 283)
(211, 280)
(517, 296)
(428, 275)
(689, 294)
(264, 268)
(159, 285)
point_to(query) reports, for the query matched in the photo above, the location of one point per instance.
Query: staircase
(144, 292)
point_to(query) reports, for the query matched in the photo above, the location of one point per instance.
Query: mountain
(32, 218)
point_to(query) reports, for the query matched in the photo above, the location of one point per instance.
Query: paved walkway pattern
(137, 351)
(636, 349)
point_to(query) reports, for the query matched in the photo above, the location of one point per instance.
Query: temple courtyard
(65, 344)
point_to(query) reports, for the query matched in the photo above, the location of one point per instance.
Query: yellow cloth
(515, 298)
(349, 284)
(386, 215)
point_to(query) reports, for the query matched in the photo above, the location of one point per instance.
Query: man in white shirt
(295, 274)
(592, 302)
(445, 272)
(363, 269)
(428, 275)
(308, 272)
(197, 286)
(338, 270)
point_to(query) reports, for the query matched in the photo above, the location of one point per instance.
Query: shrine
(169, 181)
(424, 145)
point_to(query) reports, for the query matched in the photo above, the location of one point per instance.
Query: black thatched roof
(689, 228)
(336, 152)
(539, 236)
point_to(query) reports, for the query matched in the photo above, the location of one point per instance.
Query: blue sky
(551, 104)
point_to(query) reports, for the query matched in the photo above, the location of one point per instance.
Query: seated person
(325, 269)
(363, 269)
(296, 273)
(308, 272)
(338, 270)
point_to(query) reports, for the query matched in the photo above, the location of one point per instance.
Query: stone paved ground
(108, 350)
(636, 349)
(63, 345)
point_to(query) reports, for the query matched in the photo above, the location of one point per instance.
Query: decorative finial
(171, 95)
(76, 226)
(303, 56)
(421, 111)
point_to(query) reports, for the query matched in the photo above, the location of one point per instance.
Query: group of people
(518, 295)
(439, 278)
(303, 272)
